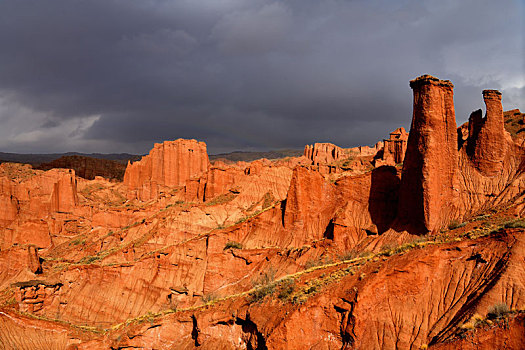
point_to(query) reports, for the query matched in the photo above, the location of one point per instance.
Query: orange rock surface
(321, 251)
(395, 147)
(169, 164)
(428, 183)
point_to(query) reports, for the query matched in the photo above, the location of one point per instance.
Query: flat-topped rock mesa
(323, 153)
(170, 164)
(88, 167)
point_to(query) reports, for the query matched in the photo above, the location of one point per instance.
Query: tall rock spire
(429, 170)
(490, 144)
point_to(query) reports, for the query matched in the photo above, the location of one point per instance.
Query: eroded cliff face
(28, 198)
(169, 164)
(319, 251)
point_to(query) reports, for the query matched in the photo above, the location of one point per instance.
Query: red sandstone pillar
(429, 170)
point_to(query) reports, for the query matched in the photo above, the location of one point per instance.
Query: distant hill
(40, 158)
(37, 159)
(251, 156)
(88, 167)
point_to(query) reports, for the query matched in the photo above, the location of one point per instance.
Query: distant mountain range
(39, 158)
(250, 156)
(36, 159)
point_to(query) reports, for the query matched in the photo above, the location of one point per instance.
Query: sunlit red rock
(138, 260)
(428, 184)
(169, 164)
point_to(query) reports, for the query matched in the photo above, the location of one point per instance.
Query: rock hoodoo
(489, 132)
(429, 171)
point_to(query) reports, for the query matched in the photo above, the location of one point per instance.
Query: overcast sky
(118, 75)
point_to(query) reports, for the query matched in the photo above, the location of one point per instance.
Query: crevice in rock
(256, 340)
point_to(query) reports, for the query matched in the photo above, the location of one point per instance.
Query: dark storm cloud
(113, 75)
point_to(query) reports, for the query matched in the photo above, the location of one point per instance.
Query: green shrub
(265, 278)
(347, 255)
(263, 286)
(519, 223)
(454, 224)
(286, 289)
(260, 292)
(313, 262)
(498, 311)
(210, 297)
(233, 245)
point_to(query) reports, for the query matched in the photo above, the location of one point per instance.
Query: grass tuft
(232, 245)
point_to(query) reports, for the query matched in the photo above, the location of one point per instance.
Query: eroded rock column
(490, 146)
(427, 191)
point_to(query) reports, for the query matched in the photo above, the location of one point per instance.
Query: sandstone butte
(416, 242)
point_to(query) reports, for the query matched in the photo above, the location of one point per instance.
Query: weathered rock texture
(395, 147)
(104, 264)
(169, 164)
(428, 184)
(29, 198)
(490, 135)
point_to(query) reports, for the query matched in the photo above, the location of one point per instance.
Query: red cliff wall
(171, 164)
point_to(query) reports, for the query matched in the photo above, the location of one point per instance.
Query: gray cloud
(108, 75)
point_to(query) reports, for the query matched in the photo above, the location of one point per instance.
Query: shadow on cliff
(384, 196)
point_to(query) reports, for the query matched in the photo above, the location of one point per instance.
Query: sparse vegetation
(209, 298)
(89, 259)
(454, 224)
(518, 223)
(268, 200)
(263, 285)
(286, 288)
(233, 245)
(78, 241)
(498, 311)
(259, 293)
(349, 255)
(319, 261)
(221, 199)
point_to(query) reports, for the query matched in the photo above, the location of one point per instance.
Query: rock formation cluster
(397, 245)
